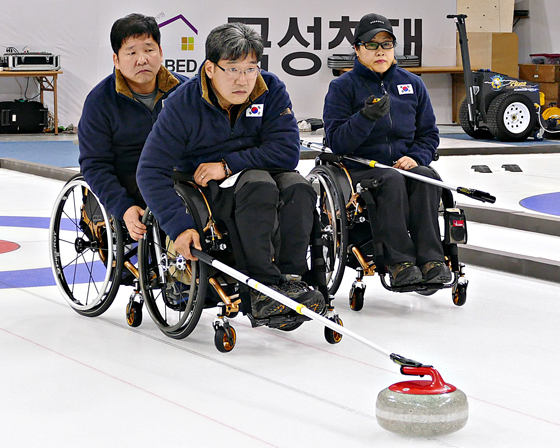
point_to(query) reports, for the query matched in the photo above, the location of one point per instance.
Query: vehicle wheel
(332, 336)
(484, 134)
(86, 249)
(134, 314)
(332, 214)
(511, 117)
(224, 339)
(356, 298)
(460, 294)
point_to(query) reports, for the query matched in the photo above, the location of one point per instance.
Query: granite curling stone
(422, 408)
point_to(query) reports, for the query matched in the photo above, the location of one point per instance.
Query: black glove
(375, 110)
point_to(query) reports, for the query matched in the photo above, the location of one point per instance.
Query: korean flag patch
(405, 89)
(255, 110)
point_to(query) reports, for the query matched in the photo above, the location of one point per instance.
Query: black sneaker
(436, 272)
(405, 273)
(263, 306)
(300, 292)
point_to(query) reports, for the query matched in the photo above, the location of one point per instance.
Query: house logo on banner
(187, 36)
(305, 41)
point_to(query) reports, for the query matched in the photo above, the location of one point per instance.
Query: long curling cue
(470, 192)
(417, 408)
(299, 308)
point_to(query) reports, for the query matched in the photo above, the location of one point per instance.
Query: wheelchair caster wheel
(460, 294)
(134, 314)
(224, 339)
(356, 298)
(332, 336)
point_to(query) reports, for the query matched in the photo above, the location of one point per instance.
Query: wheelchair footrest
(421, 288)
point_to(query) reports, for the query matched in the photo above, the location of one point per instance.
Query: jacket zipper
(384, 91)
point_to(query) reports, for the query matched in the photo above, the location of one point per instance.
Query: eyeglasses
(234, 73)
(376, 45)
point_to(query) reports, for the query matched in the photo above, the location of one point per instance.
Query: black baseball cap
(370, 25)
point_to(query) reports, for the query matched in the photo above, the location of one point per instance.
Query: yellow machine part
(551, 112)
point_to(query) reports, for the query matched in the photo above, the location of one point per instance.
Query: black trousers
(407, 212)
(273, 213)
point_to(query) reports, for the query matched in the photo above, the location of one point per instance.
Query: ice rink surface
(69, 380)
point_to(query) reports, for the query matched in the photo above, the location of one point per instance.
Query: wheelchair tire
(86, 254)
(460, 294)
(356, 298)
(332, 336)
(224, 339)
(174, 301)
(134, 314)
(332, 211)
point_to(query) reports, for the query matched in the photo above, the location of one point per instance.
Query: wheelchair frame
(91, 253)
(161, 268)
(342, 207)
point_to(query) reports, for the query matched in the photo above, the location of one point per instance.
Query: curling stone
(422, 408)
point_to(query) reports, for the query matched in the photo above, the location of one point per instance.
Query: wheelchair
(177, 290)
(346, 215)
(91, 253)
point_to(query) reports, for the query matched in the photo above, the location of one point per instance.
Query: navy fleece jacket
(112, 132)
(191, 130)
(409, 129)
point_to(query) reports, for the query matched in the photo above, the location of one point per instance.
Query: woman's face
(379, 60)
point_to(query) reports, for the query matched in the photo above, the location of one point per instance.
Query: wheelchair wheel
(86, 249)
(332, 336)
(174, 289)
(225, 338)
(134, 314)
(356, 298)
(332, 213)
(460, 294)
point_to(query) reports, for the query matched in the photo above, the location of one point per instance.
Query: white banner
(299, 37)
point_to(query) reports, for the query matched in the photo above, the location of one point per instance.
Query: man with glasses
(236, 120)
(379, 111)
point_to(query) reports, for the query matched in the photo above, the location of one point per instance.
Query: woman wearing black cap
(379, 111)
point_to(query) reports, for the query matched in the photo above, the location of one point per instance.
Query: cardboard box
(495, 51)
(551, 91)
(539, 72)
(487, 16)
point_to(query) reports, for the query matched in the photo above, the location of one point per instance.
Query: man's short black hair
(233, 41)
(133, 25)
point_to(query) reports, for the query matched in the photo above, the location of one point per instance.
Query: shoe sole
(407, 282)
(439, 279)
